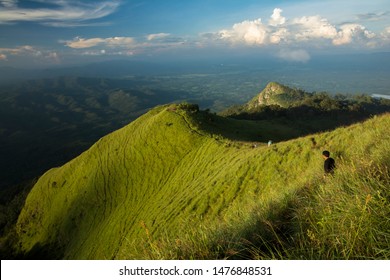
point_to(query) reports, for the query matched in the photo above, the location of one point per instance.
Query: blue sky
(57, 32)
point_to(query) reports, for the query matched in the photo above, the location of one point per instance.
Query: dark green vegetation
(180, 183)
(306, 112)
(46, 123)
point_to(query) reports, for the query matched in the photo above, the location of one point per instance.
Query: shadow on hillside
(268, 237)
(44, 252)
(273, 236)
(38, 252)
(283, 124)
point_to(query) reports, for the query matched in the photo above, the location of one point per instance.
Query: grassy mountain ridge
(47, 122)
(176, 184)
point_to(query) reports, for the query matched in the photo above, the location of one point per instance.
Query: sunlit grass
(171, 186)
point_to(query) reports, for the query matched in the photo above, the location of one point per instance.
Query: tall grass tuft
(346, 217)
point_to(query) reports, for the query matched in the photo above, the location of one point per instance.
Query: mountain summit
(276, 94)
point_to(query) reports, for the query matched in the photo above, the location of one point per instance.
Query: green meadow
(180, 183)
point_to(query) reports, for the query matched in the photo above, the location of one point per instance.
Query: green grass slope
(171, 185)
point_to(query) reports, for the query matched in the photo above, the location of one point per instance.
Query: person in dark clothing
(329, 163)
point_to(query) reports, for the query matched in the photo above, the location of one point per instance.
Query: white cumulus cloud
(313, 27)
(250, 32)
(279, 35)
(350, 32)
(310, 30)
(386, 33)
(277, 18)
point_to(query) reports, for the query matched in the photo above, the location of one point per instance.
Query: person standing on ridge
(329, 163)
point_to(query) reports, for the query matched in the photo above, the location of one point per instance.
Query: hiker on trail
(269, 143)
(329, 163)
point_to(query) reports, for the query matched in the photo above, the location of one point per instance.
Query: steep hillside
(169, 185)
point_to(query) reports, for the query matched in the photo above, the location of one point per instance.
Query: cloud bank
(305, 29)
(30, 52)
(292, 36)
(290, 39)
(151, 43)
(80, 43)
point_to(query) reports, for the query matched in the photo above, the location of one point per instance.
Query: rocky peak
(272, 89)
(268, 96)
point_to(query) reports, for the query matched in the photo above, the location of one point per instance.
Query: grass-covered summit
(180, 183)
(277, 99)
(276, 94)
